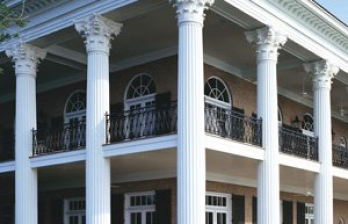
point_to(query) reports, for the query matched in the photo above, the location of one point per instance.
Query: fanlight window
(307, 123)
(141, 85)
(216, 90)
(76, 102)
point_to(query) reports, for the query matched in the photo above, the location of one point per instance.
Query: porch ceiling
(150, 32)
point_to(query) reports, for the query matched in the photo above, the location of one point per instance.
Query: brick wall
(47, 198)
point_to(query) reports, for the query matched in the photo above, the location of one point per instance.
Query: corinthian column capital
(26, 58)
(267, 41)
(322, 73)
(191, 10)
(98, 32)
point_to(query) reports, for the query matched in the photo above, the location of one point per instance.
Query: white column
(322, 73)
(191, 170)
(267, 41)
(98, 33)
(26, 59)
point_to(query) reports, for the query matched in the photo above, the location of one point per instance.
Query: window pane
(135, 218)
(149, 217)
(209, 218)
(221, 218)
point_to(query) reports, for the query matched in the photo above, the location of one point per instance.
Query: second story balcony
(148, 122)
(72, 136)
(293, 141)
(339, 156)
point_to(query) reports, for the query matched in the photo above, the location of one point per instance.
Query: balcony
(145, 123)
(339, 156)
(233, 125)
(141, 123)
(293, 141)
(71, 137)
(6, 148)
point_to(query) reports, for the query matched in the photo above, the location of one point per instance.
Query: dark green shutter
(162, 99)
(57, 122)
(287, 212)
(301, 213)
(117, 209)
(163, 207)
(57, 210)
(254, 210)
(117, 108)
(238, 209)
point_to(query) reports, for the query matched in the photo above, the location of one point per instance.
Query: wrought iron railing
(6, 148)
(296, 143)
(141, 123)
(339, 156)
(233, 125)
(71, 137)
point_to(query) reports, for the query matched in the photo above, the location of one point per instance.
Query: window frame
(215, 209)
(80, 114)
(143, 99)
(143, 209)
(68, 212)
(216, 102)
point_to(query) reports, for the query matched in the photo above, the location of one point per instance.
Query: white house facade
(174, 112)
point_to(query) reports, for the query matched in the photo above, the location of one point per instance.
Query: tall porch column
(191, 169)
(322, 73)
(98, 33)
(26, 58)
(267, 41)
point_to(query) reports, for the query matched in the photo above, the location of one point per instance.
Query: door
(141, 118)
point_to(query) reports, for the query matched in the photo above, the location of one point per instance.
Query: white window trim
(128, 209)
(139, 100)
(227, 209)
(66, 210)
(307, 215)
(219, 103)
(79, 114)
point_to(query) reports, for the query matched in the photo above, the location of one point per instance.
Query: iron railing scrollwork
(233, 125)
(339, 156)
(7, 143)
(141, 123)
(71, 137)
(296, 143)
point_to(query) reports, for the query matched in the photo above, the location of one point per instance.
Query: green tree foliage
(10, 18)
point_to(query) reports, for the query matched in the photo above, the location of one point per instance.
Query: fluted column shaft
(97, 31)
(191, 148)
(267, 42)
(322, 73)
(26, 58)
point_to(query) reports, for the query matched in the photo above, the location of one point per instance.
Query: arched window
(343, 142)
(75, 107)
(307, 123)
(140, 92)
(217, 94)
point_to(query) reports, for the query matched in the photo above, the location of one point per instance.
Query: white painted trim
(142, 176)
(340, 172)
(141, 145)
(58, 158)
(299, 163)
(231, 180)
(6, 167)
(233, 147)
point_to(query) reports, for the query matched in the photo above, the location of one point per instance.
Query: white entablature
(312, 17)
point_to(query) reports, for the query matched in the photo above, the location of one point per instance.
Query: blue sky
(337, 7)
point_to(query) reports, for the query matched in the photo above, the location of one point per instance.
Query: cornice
(313, 17)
